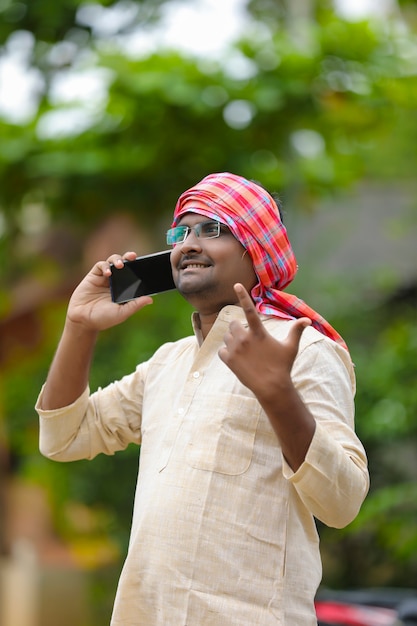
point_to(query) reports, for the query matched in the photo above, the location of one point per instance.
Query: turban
(253, 217)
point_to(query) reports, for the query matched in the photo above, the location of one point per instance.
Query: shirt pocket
(223, 435)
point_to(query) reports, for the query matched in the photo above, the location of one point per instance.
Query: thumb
(129, 308)
(297, 330)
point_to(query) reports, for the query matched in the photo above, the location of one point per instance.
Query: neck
(206, 322)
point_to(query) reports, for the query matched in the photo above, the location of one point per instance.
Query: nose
(191, 242)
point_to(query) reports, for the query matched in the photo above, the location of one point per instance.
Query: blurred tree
(54, 22)
(305, 121)
(380, 547)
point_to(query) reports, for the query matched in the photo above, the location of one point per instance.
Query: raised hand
(261, 363)
(91, 304)
(90, 310)
(264, 365)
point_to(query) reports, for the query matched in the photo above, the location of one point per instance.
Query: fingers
(254, 320)
(249, 309)
(117, 260)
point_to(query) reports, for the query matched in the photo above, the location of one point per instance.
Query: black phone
(144, 276)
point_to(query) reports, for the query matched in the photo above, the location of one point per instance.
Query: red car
(331, 613)
(367, 607)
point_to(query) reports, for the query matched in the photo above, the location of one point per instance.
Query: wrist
(281, 393)
(78, 331)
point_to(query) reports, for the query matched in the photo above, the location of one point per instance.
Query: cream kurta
(223, 531)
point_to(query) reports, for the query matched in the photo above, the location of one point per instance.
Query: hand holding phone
(144, 276)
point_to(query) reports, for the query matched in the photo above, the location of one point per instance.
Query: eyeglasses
(205, 230)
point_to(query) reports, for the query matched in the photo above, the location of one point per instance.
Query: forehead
(192, 218)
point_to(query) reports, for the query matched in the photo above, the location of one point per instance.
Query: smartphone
(145, 276)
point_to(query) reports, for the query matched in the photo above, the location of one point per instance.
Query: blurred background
(108, 111)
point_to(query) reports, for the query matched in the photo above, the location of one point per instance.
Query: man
(246, 427)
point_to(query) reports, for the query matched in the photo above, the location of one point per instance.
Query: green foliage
(379, 547)
(322, 114)
(52, 21)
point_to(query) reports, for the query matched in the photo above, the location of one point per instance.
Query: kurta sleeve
(106, 421)
(333, 480)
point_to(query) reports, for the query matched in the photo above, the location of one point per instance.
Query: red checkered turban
(254, 219)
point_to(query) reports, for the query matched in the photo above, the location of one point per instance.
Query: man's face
(205, 270)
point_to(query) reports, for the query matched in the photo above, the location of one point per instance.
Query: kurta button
(196, 374)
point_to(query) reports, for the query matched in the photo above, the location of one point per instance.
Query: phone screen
(145, 276)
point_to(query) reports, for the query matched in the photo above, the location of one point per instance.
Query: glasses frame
(173, 241)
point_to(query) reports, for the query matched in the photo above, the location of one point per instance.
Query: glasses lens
(209, 230)
(176, 235)
(206, 230)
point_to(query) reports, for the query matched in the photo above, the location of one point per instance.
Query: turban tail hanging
(253, 217)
